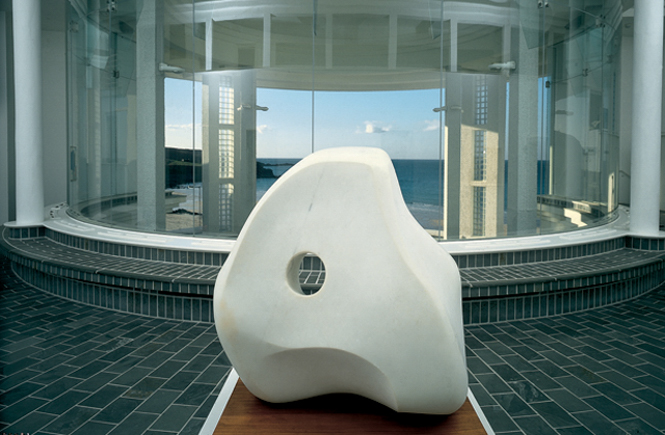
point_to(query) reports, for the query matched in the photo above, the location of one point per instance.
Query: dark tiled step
(493, 293)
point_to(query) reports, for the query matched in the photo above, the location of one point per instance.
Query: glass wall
(500, 117)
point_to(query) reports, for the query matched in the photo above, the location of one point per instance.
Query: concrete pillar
(28, 112)
(150, 117)
(647, 108)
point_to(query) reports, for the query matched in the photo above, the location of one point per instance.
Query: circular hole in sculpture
(307, 273)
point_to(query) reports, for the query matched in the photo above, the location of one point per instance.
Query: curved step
(182, 286)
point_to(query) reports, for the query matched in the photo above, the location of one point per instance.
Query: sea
(421, 182)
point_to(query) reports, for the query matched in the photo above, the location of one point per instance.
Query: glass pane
(182, 113)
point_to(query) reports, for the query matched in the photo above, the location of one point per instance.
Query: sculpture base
(335, 414)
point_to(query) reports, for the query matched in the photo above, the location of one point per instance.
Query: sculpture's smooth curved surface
(387, 323)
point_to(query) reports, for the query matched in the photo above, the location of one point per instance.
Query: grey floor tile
(577, 387)
(87, 358)
(31, 423)
(518, 363)
(180, 381)
(616, 394)
(144, 388)
(104, 396)
(89, 370)
(193, 426)
(94, 428)
(620, 380)
(159, 401)
(56, 388)
(637, 426)
(18, 378)
(213, 374)
(204, 409)
(550, 369)
(54, 374)
(156, 359)
(597, 423)
(195, 394)
(567, 400)
(136, 422)
(64, 402)
(71, 420)
(482, 396)
(575, 430)
(555, 415)
(649, 414)
(168, 369)
(534, 425)
(132, 376)
(498, 418)
(541, 380)
(527, 391)
(124, 364)
(513, 404)
(117, 410)
(187, 353)
(174, 418)
(585, 375)
(19, 392)
(199, 363)
(651, 397)
(20, 409)
(223, 360)
(493, 384)
(507, 373)
(96, 382)
(653, 383)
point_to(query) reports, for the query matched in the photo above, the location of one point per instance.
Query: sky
(400, 122)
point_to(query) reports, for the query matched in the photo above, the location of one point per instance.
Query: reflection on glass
(500, 117)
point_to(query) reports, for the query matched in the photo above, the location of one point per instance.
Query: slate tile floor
(595, 372)
(67, 368)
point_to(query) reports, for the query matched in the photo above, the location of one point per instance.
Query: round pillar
(647, 106)
(28, 112)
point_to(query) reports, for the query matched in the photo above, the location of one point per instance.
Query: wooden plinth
(336, 414)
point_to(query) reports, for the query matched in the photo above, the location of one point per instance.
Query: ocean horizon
(420, 181)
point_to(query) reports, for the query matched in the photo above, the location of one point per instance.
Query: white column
(647, 107)
(28, 112)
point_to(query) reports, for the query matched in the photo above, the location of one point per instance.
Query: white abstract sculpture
(387, 323)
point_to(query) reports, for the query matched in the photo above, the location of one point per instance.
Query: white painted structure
(647, 109)
(28, 112)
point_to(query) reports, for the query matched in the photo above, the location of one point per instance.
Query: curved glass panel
(500, 116)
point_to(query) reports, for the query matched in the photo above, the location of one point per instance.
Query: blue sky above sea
(400, 122)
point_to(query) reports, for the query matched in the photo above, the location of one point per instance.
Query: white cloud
(431, 125)
(260, 129)
(376, 127)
